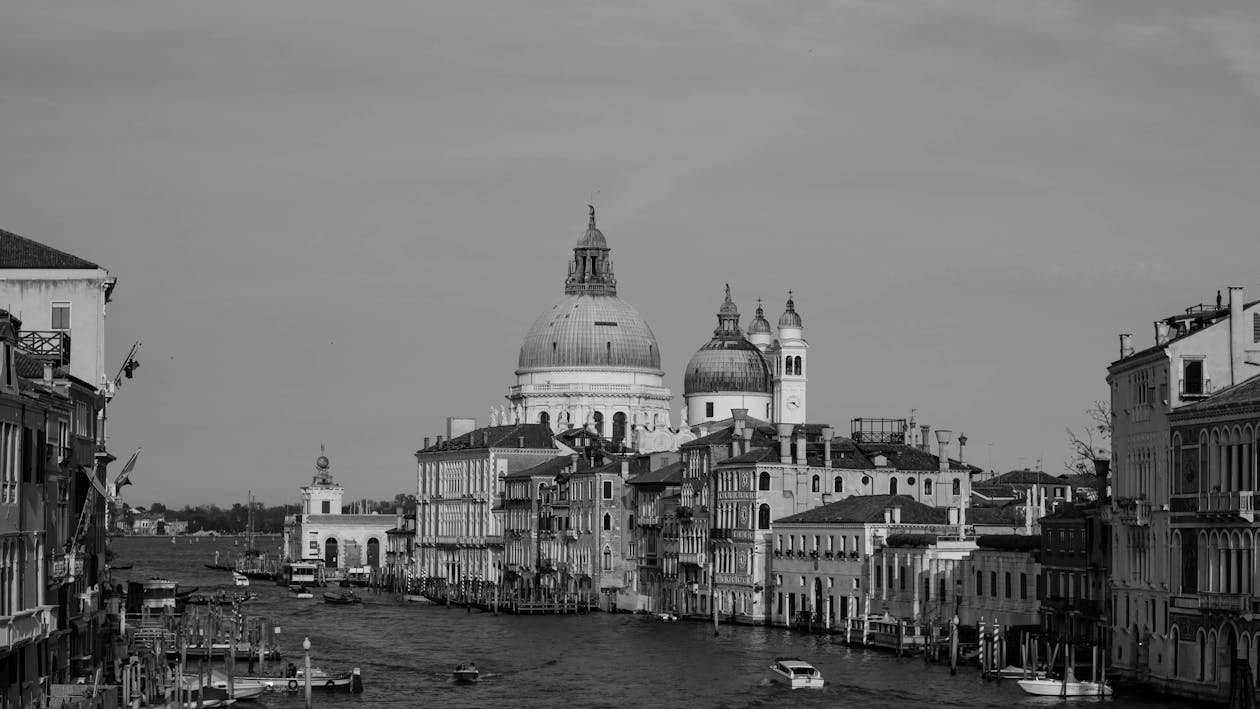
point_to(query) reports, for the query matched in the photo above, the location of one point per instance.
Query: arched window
(957, 487)
(544, 418)
(1023, 586)
(993, 584)
(1008, 584)
(892, 486)
(787, 365)
(607, 522)
(763, 481)
(839, 484)
(979, 583)
(797, 369)
(607, 559)
(599, 422)
(927, 486)
(763, 517)
(374, 552)
(619, 427)
(816, 483)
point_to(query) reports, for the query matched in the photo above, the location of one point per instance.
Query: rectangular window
(608, 490)
(708, 409)
(325, 507)
(1192, 382)
(60, 315)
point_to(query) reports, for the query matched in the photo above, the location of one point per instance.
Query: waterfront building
(1196, 353)
(655, 496)
(52, 543)
(400, 549)
(592, 360)
(1000, 583)
(1075, 594)
(461, 490)
(1213, 638)
(322, 532)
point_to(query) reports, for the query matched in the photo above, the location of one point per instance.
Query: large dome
(596, 331)
(727, 364)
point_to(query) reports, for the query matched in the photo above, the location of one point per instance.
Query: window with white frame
(60, 315)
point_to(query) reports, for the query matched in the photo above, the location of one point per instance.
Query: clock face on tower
(794, 404)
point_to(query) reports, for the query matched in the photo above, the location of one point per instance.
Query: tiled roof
(1026, 477)
(536, 435)
(994, 516)
(668, 475)
(1236, 396)
(21, 252)
(549, 468)
(870, 508)
(27, 366)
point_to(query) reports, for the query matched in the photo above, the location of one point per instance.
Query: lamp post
(306, 675)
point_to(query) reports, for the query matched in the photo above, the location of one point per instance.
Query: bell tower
(788, 357)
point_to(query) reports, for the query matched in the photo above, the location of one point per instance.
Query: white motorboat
(466, 674)
(1017, 672)
(796, 673)
(1059, 688)
(240, 687)
(240, 579)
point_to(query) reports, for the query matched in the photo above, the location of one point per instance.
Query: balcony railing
(48, 345)
(1231, 602)
(1240, 503)
(692, 558)
(1133, 511)
(26, 626)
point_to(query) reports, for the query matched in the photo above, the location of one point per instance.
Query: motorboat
(666, 617)
(219, 599)
(466, 674)
(1017, 672)
(240, 579)
(342, 598)
(796, 673)
(1060, 688)
(300, 591)
(237, 688)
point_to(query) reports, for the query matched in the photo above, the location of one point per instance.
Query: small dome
(790, 318)
(592, 238)
(728, 306)
(321, 462)
(727, 364)
(759, 324)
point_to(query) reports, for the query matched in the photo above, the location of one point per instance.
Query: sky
(333, 223)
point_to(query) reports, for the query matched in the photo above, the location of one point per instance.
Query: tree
(1093, 443)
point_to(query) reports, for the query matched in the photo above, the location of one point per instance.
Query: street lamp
(306, 649)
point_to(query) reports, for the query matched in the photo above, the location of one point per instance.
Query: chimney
(887, 515)
(426, 441)
(740, 415)
(828, 433)
(942, 440)
(785, 442)
(48, 374)
(521, 441)
(1239, 336)
(924, 442)
(438, 442)
(896, 514)
(1126, 345)
(1161, 333)
(953, 516)
(625, 468)
(801, 457)
(748, 434)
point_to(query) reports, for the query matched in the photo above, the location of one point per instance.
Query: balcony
(1228, 602)
(719, 533)
(25, 627)
(1133, 511)
(691, 558)
(49, 345)
(1238, 503)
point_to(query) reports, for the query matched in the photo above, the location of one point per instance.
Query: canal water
(617, 661)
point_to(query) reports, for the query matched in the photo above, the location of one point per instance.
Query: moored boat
(300, 591)
(240, 579)
(295, 681)
(796, 673)
(235, 687)
(345, 598)
(1060, 688)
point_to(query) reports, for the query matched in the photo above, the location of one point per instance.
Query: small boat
(219, 599)
(300, 591)
(120, 567)
(666, 617)
(1059, 688)
(796, 673)
(342, 598)
(240, 579)
(240, 687)
(466, 674)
